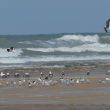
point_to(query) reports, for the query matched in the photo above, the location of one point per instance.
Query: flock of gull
(6, 80)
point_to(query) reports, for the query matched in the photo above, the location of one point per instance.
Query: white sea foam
(14, 53)
(96, 47)
(25, 42)
(87, 38)
(64, 39)
(51, 58)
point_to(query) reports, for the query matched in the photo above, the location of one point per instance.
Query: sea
(33, 50)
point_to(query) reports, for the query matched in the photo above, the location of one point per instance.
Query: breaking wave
(62, 47)
(96, 47)
(51, 59)
(87, 38)
(14, 53)
(66, 40)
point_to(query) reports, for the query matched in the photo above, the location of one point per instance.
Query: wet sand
(85, 96)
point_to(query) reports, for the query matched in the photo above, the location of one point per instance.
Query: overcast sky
(53, 16)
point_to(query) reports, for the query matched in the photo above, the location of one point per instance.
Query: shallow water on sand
(31, 97)
(59, 92)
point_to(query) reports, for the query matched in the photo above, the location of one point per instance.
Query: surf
(14, 53)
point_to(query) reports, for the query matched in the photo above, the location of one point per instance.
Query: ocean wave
(25, 42)
(87, 38)
(65, 40)
(96, 47)
(14, 53)
(51, 59)
(61, 47)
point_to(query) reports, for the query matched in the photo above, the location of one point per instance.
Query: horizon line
(54, 33)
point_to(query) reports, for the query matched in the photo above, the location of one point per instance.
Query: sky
(53, 16)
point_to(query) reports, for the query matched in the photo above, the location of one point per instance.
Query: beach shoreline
(84, 96)
(54, 107)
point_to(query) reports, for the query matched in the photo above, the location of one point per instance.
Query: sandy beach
(93, 94)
